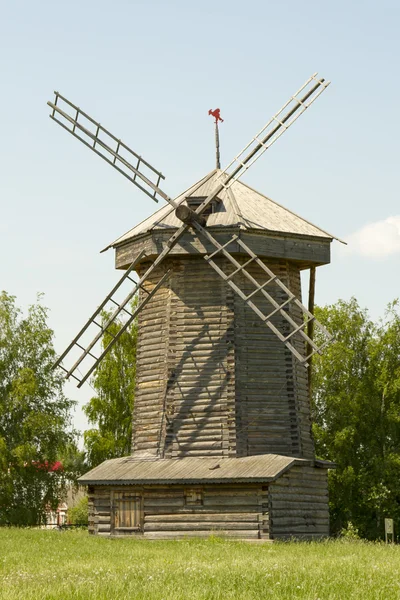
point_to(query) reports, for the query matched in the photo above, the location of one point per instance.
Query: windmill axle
(188, 216)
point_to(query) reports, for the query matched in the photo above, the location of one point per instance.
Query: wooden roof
(240, 206)
(135, 471)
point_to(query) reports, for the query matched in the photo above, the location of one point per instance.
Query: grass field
(71, 565)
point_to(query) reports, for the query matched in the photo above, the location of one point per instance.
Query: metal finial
(216, 114)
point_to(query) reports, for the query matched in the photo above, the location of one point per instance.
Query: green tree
(110, 411)
(79, 514)
(356, 412)
(34, 417)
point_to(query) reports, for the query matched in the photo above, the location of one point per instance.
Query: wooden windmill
(221, 427)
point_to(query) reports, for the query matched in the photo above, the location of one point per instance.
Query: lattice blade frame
(297, 328)
(79, 129)
(123, 328)
(255, 149)
(104, 328)
(272, 131)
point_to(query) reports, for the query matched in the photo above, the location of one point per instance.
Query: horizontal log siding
(239, 511)
(273, 409)
(300, 375)
(298, 504)
(295, 505)
(307, 251)
(100, 511)
(91, 525)
(198, 413)
(212, 379)
(185, 396)
(151, 367)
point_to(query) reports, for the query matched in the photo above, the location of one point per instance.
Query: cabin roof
(142, 471)
(239, 206)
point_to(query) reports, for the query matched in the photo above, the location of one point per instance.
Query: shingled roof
(135, 471)
(240, 206)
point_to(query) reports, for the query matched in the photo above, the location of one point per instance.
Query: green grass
(73, 565)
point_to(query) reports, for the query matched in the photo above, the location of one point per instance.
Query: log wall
(306, 251)
(99, 507)
(298, 504)
(239, 511)
(212, 379)
(272, 399)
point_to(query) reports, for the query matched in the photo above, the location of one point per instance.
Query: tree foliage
(35, 433)
(79, 514)
(110, 411)
(356, 414)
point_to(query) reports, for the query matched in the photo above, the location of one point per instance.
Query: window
(194, 497)
(194, 203)
(127, 508)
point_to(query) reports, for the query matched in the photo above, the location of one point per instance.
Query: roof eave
(218, 228)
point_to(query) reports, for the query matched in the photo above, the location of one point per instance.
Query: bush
(78, 515)
(350, 532)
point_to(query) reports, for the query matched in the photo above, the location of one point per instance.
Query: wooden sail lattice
(271, 279)
(268, 135)
(147, 178)
(272, 131)
(110, 148)
(103, 328)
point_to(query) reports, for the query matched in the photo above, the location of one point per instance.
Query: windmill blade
(296, 330)
(87, 349)
(266, 137)
(276, 126)
(122, 309)
(98, 138)
(191, 218)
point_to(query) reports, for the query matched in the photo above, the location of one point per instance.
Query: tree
(110, 411)
(34, 417)
(79, 514)
(356, 413)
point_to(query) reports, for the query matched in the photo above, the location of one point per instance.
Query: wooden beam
(188, 216)
(310, 326)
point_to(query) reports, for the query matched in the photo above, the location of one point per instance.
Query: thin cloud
(376, 240)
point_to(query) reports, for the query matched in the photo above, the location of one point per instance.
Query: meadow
(38, 564)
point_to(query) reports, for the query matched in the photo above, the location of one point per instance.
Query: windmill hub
(189, 216)
(221, 426)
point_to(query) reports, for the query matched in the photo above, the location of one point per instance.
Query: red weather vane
(216, 114)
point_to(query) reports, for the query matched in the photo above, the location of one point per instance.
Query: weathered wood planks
(307, 251)
(212, 379)
(233, 511)
(299, 504)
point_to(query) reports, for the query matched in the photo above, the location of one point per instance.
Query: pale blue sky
(149, 71)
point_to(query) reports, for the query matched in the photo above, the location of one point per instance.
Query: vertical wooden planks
(127, 512)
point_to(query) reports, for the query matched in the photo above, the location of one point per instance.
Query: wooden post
(218, 158)
(310, 326)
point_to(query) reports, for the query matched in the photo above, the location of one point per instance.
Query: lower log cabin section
(289, 500)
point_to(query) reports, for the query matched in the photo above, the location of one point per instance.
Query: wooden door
(127, 513)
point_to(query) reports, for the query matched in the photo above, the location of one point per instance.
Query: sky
(149, 72)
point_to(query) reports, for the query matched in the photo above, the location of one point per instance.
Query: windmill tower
(221, 427)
